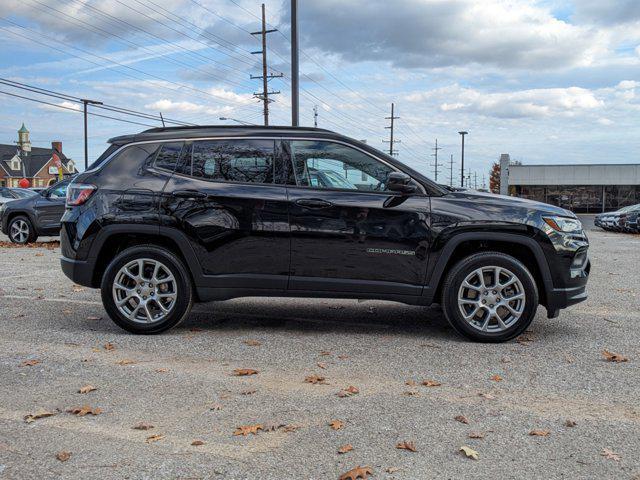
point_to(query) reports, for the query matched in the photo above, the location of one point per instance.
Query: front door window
(328, 165)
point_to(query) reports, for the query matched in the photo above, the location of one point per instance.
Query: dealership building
(581, 188)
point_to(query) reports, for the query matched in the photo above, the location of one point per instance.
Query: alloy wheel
(491, 299)
(19, 231)
(145, 291)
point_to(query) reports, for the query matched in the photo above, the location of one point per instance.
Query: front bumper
(559, 298)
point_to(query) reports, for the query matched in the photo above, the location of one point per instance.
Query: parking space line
(55, 300)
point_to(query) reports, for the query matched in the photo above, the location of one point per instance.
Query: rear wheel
(490, 297)
(147, 289)
(21, 230)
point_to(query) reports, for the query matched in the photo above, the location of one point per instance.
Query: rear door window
(169, 156)
(243, 161)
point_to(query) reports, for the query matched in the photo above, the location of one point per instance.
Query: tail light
(78, 194)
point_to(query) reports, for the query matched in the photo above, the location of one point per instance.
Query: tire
(481, 298)
(21, 230)
(168, 300)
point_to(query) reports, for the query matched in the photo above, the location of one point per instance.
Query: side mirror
(400, 182)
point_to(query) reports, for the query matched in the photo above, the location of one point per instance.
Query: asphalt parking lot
(55, 339)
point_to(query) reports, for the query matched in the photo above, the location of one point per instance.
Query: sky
(547, 81)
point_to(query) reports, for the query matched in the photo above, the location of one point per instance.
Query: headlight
(563, 224)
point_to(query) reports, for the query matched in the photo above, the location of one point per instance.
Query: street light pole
(295, 69)
(462, 134)
(85, 102)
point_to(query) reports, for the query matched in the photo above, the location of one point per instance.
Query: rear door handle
(313, 203)
(188, 194)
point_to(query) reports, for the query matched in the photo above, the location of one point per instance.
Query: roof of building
(33, 162)
(577, 174)
(217, 131)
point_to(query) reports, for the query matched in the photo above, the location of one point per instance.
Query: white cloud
(534, 103)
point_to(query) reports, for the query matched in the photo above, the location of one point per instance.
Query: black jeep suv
(174, 216)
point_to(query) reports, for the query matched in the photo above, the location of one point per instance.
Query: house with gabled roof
(35, 164)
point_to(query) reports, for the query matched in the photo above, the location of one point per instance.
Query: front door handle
(313, 203)
(188, 194)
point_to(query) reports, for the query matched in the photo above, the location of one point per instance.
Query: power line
(63, 96)
(74, 109)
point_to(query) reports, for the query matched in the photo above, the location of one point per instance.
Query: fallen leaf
(496, 378)
(41, 413)
(92, 318)
(322, 365)
(161, 370)
(78, 288)
(345, 448)
(154, 438)
(85, 410)
(406, 446)
(476, 435)
(343, 357)
(248, 392)
(469, 452)
(290, 428)
(245, 430)
(67, 312)
(143, 426)
(87, 389)
(197, 443)
(109, 346)
(539, 433)
(39, 254)
(488, 396)
(63, 456)
(411, 383)
(215, 407)
(524, 339)
(610, 455)
(242, 372)
(431, 383)
(125, 361)
(325, 353)
(461, 419)
(316, 380)
(410, 393)
(348, 392)
(336, 424)
(614, 357)
(29, 363)
(252, 343)
(358, 472)
(570, 423)
(392, 470)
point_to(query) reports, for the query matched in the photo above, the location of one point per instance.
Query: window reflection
(581, 198)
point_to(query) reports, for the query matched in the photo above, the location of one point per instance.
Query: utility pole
(391, 141)
(475, 180)
(162, 120)
(295, 69)
(451, 171)
(86, 102)
(436, 164)
(484, 185)
(264, 96)
(462, 134)
(315, 116)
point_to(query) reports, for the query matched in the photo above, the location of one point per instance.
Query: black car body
(39, 214)
(235, 204)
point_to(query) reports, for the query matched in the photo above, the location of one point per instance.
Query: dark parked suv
(174, 216)
(38, 214)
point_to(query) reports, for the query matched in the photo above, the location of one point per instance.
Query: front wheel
(147, 289)
(21, 230)
(490, 297)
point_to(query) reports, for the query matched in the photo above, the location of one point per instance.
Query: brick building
(37, 165)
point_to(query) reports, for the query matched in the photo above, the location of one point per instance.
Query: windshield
(23, 193)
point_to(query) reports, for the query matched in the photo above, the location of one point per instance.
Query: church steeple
(23, 139)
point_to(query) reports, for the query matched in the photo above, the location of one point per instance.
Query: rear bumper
(78, 271)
